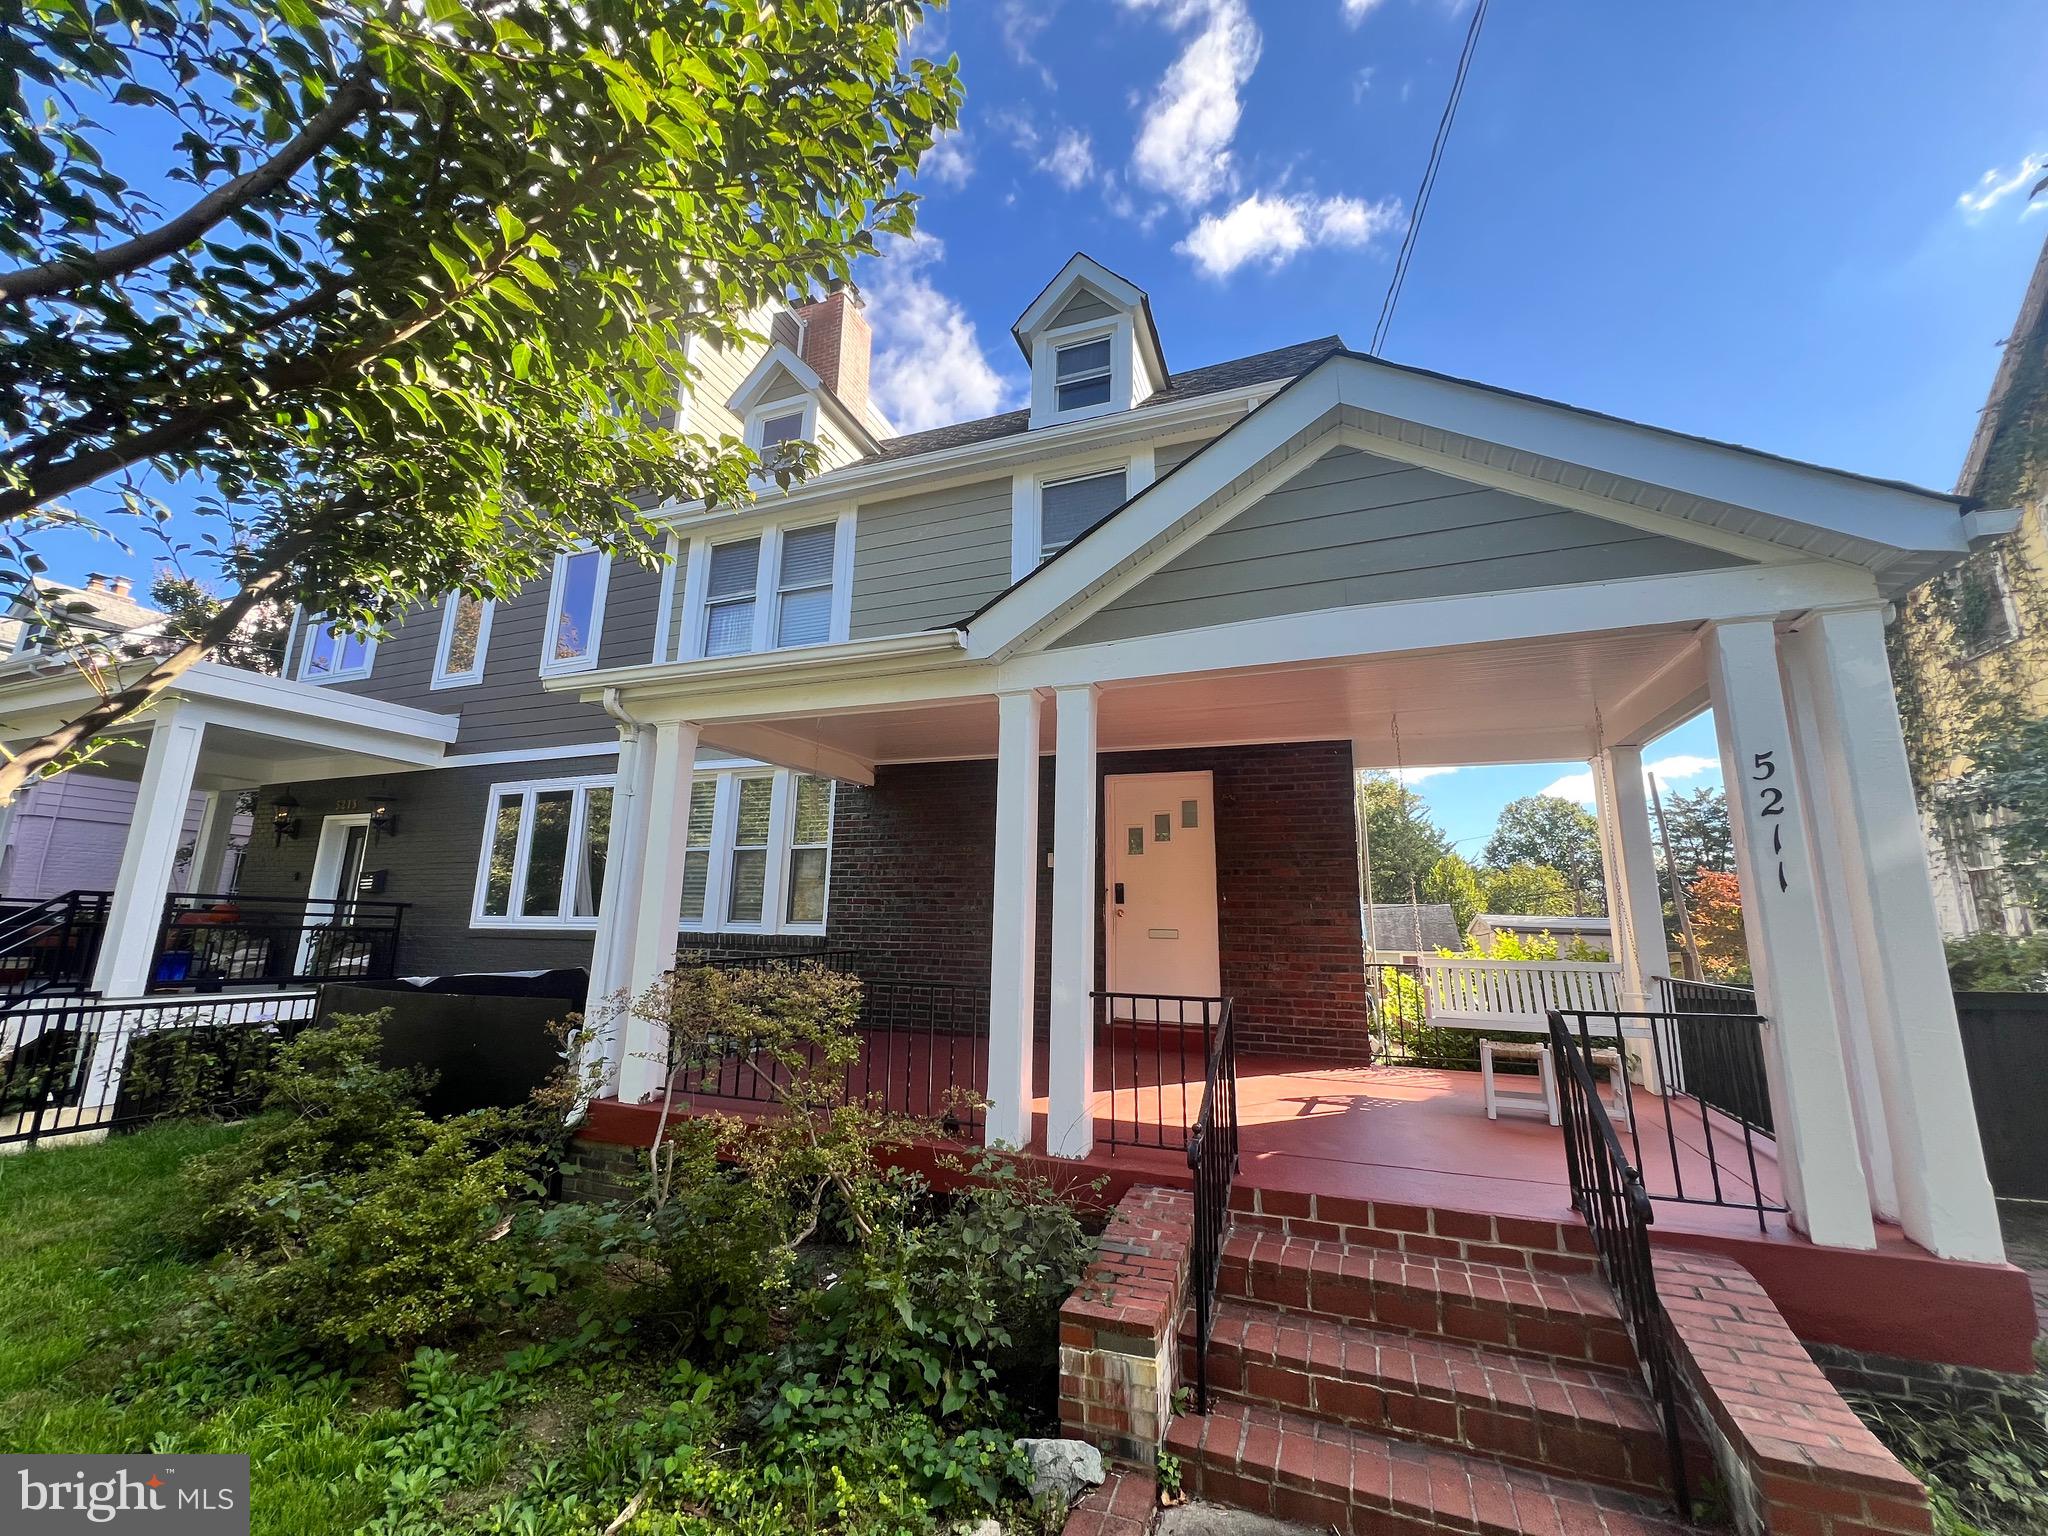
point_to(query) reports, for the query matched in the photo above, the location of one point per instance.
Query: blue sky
(1799, 227)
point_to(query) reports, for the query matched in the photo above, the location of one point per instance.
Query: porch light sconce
(284, 818)
(383, 815)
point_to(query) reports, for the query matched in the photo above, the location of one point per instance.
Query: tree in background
(1553, 831)
(1401, 844)
(1716, 902)
(1999, 962)
(190, 612)
(1697, 824)
(1454, 883)
(423, 320)
(1528, 890)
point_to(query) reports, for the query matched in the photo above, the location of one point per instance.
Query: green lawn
(86, 1278)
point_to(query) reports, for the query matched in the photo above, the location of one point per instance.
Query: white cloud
(1356, 11)
(1021, 21)
(949, 162)
(929, 369)
(1997, 184)
(1413, 776)
(1579, 786)
(1361, 82)
(1272, 229)
(1015, 124)
(1183, 144)
(1072, 160)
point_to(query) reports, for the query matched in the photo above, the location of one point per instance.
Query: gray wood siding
(1356, 528)
(924, 561)
(1175, 454)
(1083, 306)
(509, 709)
(431, 863)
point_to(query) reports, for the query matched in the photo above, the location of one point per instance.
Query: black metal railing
(51, 946)
(1720, 1065)
(923, 1047)
(1608, 1191)
(1711, 1141)
(1212, 1160)
(72, 1065)
(1152, 1052)
(209, 942)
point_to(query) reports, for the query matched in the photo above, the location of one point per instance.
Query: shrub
(350, 1218)
(1998, 962)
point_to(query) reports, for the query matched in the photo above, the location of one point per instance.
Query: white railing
(1466, 993)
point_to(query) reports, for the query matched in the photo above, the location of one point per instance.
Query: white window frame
(527, 789)
(314, 628)
(443, 677)
(550, 664)
(2001, 589)
(802, 406)
(1045, 350)
(830, 586)
(694, 571)
(725, 815)
(1027, 490)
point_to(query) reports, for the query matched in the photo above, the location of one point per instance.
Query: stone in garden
(1062, 1469)
(987, 1525)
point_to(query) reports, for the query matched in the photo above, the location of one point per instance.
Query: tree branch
(123, 702)
(355, 96)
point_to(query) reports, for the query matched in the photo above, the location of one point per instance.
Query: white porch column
(1937, 1160)
(151, 852)
(625, 855)
(1634, 905)
(1013, 950)
(1845, 965)
(1070, 1122)
(664, 759)
(1781, 917)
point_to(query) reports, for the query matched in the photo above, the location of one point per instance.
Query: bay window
(544, 854)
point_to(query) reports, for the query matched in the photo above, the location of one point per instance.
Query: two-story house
(1062, 709)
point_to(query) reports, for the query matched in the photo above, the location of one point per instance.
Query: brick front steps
(1561, 1316)
(1421, 1232)
(1326, 1475)
(1539, 1413)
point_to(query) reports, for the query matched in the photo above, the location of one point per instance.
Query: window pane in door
(587, 886)
(548, 853)
(504, 856)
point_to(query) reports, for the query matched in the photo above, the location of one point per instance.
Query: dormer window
(1081, 374)
(785, 428)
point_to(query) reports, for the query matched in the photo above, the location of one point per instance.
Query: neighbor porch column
(664, 758)
(1070, 1120)
(1781, 918)
(1013, 946)
(150, 854)
(1937, 1159)
(210, 847)
(1635, 907)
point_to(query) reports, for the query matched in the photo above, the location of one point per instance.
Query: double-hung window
(544, 854)
(575, 611)
(333, 657)
(803, 588)
(729, 597)
(757, 854)
(1069, 508)
(465, 636)
(1081, 374)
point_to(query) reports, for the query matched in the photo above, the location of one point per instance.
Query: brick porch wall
(913, 879)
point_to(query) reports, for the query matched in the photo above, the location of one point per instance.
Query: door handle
(1119, 898)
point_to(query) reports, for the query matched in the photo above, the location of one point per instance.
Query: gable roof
(1238, 373)
(1394, 926)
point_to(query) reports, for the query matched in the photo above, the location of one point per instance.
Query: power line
(1421, 205)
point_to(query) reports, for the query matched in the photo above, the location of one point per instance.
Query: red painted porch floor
(1420, 1137)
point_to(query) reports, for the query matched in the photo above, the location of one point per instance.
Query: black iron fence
(1152, 1053)
(1609, 1192)
(1212, 1160)
(51, 946)
(207, 943)
(74, 1065)
(923, 1046)
(1711, 1141)
(2005, 1048)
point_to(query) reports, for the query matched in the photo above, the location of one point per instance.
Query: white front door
(1159, 860)
(337, 869)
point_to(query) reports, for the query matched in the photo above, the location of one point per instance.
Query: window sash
(759, 868)
(575, 612)
(546, 847)
(803, 604)
(1069, 508)
(779, 429)
(459, 630)
(331, 656)
(1081, 374)
(731, 584)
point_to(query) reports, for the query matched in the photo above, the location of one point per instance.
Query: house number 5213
(1771, 805)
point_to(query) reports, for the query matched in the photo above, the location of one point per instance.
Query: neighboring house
(1407, 932)
(1594, 932)
(66, 834)
(1972, 645)
(1069, 702)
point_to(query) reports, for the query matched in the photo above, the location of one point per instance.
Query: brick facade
(1119, 1330)
(913, 878)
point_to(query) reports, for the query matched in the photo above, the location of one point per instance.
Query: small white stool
(1607, 1059)
(1519, 1050)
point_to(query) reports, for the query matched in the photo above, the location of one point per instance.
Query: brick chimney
(114, 586)
(837, 343)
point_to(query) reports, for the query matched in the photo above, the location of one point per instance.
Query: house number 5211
(1771, 805)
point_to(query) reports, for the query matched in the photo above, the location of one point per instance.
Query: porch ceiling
(1557, 698)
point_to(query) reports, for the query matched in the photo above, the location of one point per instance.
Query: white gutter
(824, 660)
(1984, 524)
